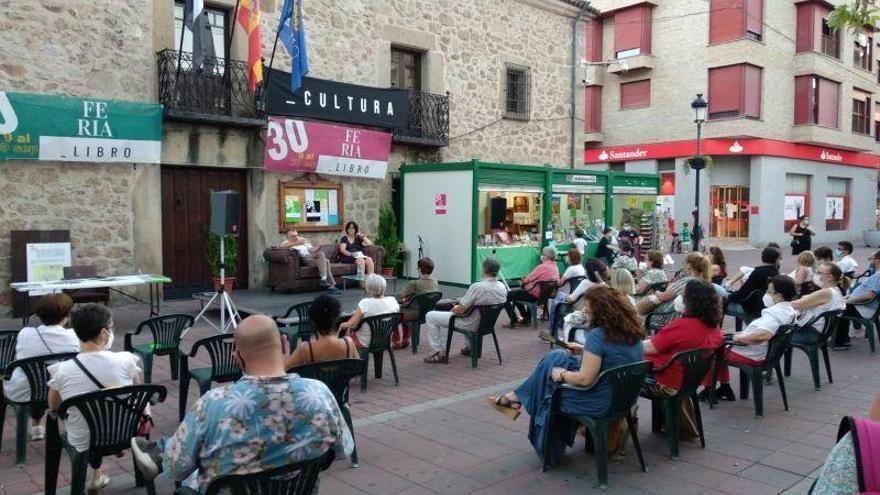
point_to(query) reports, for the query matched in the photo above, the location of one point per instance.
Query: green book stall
(633, 200)
(577, 203)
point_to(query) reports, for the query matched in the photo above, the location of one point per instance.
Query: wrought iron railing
(428, 121)
(218, 92)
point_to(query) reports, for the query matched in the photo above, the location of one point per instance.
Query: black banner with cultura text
(337, 102)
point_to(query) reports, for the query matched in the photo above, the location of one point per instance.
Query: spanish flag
(249, 18)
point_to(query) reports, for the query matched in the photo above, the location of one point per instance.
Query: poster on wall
(292, 210)
(794, 207)
(439, 203)
(834, 208)
(310, 206)
(46, 262)
(299, 146)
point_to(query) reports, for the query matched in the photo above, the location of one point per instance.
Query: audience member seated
(422, 285)
(597, 274)
(823, 254)
(698, 328)
(862, 293)
(654, 273)
(719, 265)
(778, 312)
(51, 337)
(615, 339)
(311, 256)
(376, 303)
(267, 419)
(738, 302)
(531, 288)
(845, 260)
(323, 316)
(621, 280)
(695, 266)
(96, 367)
(803, 274)
(625, 259)
(487, 291)
(351, 248)
(831, 286)
(575, 270)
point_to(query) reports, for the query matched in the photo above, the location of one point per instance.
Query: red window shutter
(803, 100)
(726, 20)
(593, 109)
(635, 94)
(829, 103)
(806, 28)
(646, 29)
(752, 91)
(632, 29)
(725, 89)
(593, 36)
(755, 16)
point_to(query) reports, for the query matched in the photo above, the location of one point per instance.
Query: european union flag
(292, 33)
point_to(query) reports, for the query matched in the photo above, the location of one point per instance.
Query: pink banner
(299, 146)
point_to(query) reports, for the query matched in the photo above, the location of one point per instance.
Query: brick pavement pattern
(434, 432)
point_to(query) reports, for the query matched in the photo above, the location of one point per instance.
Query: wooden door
(185, 219)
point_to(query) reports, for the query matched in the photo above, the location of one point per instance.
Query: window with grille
(406, 69)
(517, 89)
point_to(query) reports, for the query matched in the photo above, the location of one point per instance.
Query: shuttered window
(632, 31)
(735, 91)
(861, 117)
(593, 109)
(735, 19)
(816, 101)
(813, 32)
(635, 94)
(593, 39)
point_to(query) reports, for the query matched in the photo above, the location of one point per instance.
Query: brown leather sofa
(286, 270)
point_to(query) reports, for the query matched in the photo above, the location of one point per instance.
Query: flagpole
(231, 36)
(271, 61)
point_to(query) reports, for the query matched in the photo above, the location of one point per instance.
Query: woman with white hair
(530, 290)
(376, 303)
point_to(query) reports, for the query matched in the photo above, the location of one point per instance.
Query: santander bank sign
(623, 155)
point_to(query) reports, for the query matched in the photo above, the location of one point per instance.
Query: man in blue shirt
(861, 303)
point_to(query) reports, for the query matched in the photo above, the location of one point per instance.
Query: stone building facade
(115, 212)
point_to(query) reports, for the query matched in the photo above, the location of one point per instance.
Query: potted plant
(212, 254)
(388, 239)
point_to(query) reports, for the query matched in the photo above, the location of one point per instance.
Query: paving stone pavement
(434, 432)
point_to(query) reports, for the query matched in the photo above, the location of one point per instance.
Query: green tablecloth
(516, 261)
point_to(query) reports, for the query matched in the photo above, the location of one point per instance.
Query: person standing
(801, 235)
(605, 251)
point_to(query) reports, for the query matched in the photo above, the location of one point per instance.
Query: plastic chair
(573, 282)
(299, 478)
(113, 416)
(381, 328)
(776, 349)
(295, 323)
(488, 317)
(8, 339)
(653, 288)
(166, 331)
(425, 302)
(546, 289)
(655, 320)
(746, 317)
(870, 324)
(696, 363)
(35, 369)
(625, 382)
(337, 375)
(223, 367)
(811, 341)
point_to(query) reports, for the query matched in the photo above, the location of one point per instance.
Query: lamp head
(700, 106)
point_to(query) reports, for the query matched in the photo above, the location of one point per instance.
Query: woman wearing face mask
(832, 286)
(93, 325)
(695, 267)
(801, 235)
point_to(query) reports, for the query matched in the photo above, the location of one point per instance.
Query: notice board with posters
(310, 206)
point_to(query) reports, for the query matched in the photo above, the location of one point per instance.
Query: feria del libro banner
(48, 127)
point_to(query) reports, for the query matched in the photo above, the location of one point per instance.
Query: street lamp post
(700, 107)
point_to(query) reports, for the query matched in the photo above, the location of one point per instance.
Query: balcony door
(406, 69)
(218, 20)
(730, 212)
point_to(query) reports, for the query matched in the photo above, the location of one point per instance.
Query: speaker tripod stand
(227, 307)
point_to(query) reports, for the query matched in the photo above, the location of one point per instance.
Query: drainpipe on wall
(574, 65)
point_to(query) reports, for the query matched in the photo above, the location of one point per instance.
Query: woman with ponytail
(832, 286)
(324, 316)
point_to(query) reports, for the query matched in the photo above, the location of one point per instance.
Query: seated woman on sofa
(351, 248)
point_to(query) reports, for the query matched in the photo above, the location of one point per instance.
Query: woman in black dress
(353, 242)
(802, 235)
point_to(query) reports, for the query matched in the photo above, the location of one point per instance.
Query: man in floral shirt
(265, 420)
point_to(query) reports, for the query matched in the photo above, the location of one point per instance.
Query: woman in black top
(353, 242)
(605, 251)
(802, 235)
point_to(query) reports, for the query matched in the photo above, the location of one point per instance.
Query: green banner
(45, 127)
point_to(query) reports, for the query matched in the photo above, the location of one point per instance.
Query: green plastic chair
(337, 375)
(746, 318)
(546, 289)
(35, 369)
(811, 341)
(166, 331)
(870, 324)
(655, 320)
(294, 324)
(381, 328)
(653, 288)
(8, 339)
(625, 382)
(113, 416)
(488, 317)
(696, 363)
(425, 302)
(223, 369)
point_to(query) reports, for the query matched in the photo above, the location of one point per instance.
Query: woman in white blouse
(832, 286)
(376, 303)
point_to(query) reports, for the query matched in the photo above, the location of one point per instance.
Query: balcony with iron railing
(428, 121)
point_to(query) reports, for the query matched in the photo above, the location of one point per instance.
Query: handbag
(866, 439)
(145, 423)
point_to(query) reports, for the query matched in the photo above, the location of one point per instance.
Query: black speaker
(497, 212)
(225, 212)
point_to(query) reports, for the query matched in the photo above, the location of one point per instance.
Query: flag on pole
(249, 18)
(291, 31)
(196, 19)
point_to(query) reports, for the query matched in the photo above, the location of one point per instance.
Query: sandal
(510, 408)
(436, 358)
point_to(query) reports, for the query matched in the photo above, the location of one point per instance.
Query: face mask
(767, 300)
(838, 254)
(817, 280)
(678, 304)
(643, 265)
(109, 340)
